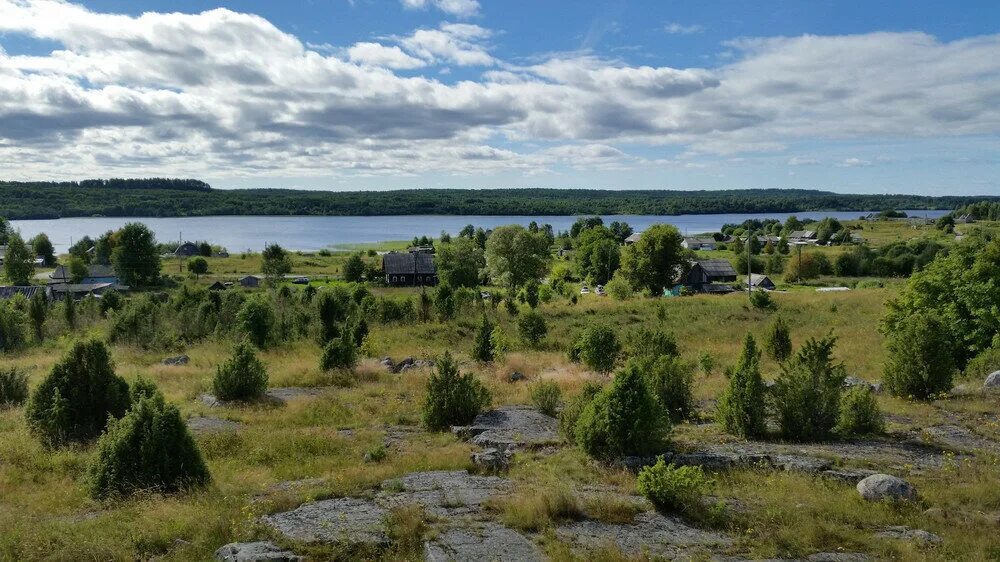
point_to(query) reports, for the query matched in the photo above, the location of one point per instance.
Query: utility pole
(749, 265)
(798, 273)
(180, 240)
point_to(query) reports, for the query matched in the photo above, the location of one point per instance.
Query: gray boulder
(348, 521)
(491, 542)
(261, 551)
(901, 532)
(511, 427)
(177, 361)
(885, 487)
(493, 460)
(992, 381)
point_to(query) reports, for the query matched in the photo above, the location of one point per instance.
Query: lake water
(309, 233)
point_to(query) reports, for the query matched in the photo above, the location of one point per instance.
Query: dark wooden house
(407, 269)
(250, 281)
(187, 250)
(703, 273)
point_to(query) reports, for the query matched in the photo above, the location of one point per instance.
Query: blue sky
(845, 96)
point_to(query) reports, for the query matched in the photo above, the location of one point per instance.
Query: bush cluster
(340, 353)
(920, 363)
(452, 398)
(625, 418)
(859, 413)
(673, 488)
(242, 377)
(545, 395)
(741, 409)
(13, 387)
(807, 392)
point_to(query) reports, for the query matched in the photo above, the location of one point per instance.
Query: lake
(310, 233)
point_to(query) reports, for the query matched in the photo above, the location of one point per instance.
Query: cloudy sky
(893, 96)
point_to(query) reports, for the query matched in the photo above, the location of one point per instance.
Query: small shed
(759, 281)
(250, 281)
(217, 286)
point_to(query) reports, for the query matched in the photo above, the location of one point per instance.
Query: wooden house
(759, 281)
(187, 250)
(28, 291)
(407, 269)
(250, 281)
(96, 274)
(217, 286)
(704, 273)
(707, 244)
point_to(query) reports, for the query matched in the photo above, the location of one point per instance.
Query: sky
(854, 97)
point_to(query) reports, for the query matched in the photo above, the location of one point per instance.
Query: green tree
(777, 340)
(807, 392)
(242, 377)
(69, 311)
(340, 353)
(514, 255)
(78, 269)
(354, 269)
(482, 346)
(198, 265)
(444, 301)
(459, 262)
(12, 327)
(135, 258)
(652, 262)
(149, 448)
(81, 249)
(625, 418)
(452, 398)
(597, 254)
(920, 363)
(531, 327)
(859, 413)
(671, 379)
(42, 247)
(105, 247)
(256, 320)
(332, 308)
(205, 250)
(73, 403)
(276, 262)
(741, 409)
(529, 293)
(597, 347)
(18, 263)
(38, 310)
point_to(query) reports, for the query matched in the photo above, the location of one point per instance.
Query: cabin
(29, 291)
(217, 286)
(704, 273)
(633, 238)
(408, 269)
(250, 281)
(707, 244)
(187, 250)
(96, 274)
(802, 237)
(759, 281)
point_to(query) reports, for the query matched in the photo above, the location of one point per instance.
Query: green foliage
(597, 347)
(242, 377)
(984, 364)
(459, 262)
(149, 448)
(41, 246)
(73, 403)
(673, 488)
(652, 343)
(139, 323)
(619, 288)
(570, 414)
(807, 392)
(777, 340)
(276, 262)
(920, 363)
(18, 262)
(111, 300)
(354, 269)
(545, 395)
(651, 263)
(671, 379)
(69, 311)
(256, 320)
(531, 327)
(12, 327)
(444, 301)
(706, 362)
(741, 409)
(859, 413)
(135, 257)
(529, 293)
(625, 418)
(452, 398)
(332, 308)
(514, 255)
(482, 346)
(597, 254)
(761, 300)
(198, 265)
(340, 353)
(13, 387)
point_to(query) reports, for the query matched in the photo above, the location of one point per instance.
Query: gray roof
(399, 263)
(634, 237)
(803, 234)
(713, 288)
(696, 240)
(717, 268)
(61, 272)
(27, 290)
(757, 278)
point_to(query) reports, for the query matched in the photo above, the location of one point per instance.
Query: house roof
(62, 273)
(803, 234)
(717, 268)
(696, 240)
(757, 279)
(249, 277)
(26, 290)
(713, 288)
(82, 287)
(398, 263)
(634, 237)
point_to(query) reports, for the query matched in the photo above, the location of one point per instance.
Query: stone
(490, 542)
(992, 381)
(851, 381)
(901, 532)
(885, 487)
(350, 521)
(960, 439)
(650, 533)
(261, 551)
(443, 493)
(511, 427)
(177, 361)
(849, 476)
(209, 424)
(515, 376)
(493, 460)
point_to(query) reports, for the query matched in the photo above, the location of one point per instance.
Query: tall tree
(276, 262)
(19, 262)
(597, 254)
(514, 255)
(42, 247)
(459, 262)
(654, 261)
(135, 258)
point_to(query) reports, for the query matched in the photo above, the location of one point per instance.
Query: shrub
(38, 309)
(807, 392)
(332, 308)
(12, 327)
(452, 398)
(149, 448)
(623, 419)
(706, 362)
(597, 347)
(357, 328)
(545, 396)
(531, 327)
(570, 414)
(920, 363)
(242, 376)
(138, 323)
(13, 387)
(482, 346)
(983, 364)
(671, 380)
(198, 266)
(619, 288)
(255, 320)
(859, 413)
(529, 293)
(741, 408)
(761, 300)
(340, 353)
(652, 343)
(673, 488)
(74, 402)
(777, 341)
(444, 301)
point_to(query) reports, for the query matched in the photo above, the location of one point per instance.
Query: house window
(395, 279)
(419, 278)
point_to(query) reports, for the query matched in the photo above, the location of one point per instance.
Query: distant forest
(161, 197)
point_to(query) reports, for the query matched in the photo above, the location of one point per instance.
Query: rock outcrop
(879, 487)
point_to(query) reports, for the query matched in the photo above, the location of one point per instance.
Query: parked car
(585, 290)
(485, 295)
(301, 280)
(600, 290)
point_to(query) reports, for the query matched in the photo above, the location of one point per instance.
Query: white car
(585, 290)
(600, 290)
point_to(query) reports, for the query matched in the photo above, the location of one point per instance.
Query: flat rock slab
(907, 534)
(261, 551)
(490, 542)
(877, 451)
(961, 439)
(349, 521)
(511, 427)
(274, 396)
(443, 493)
(650, 533)
(209, 424)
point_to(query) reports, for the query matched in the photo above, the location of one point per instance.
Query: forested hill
(167, 198)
